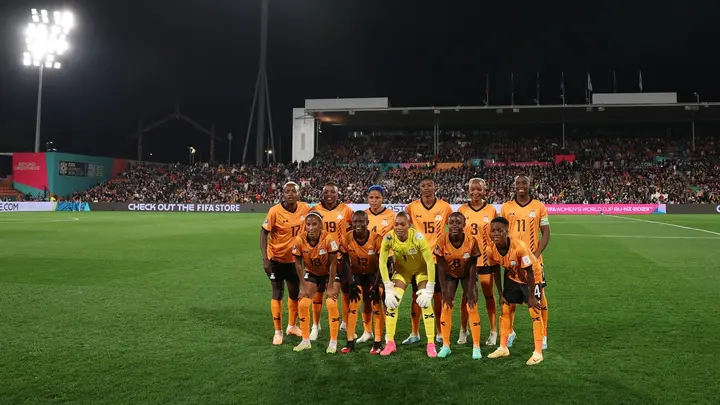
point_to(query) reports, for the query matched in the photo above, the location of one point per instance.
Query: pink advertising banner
(611, 209)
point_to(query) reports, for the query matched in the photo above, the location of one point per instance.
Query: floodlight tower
(46, 41)
(261, 99)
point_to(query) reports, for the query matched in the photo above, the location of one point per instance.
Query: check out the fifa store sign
(152, 207)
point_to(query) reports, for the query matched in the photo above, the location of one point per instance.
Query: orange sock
(276, 309)
(415, 314)
(367, 316)
(446, 322)
(474, 317)
(544, 312)
(317, 302)
(438, 308)
(292, 312)
(379, 318)
(486, 283)
(463, 315)
(538, 328)
(506, 323)
(352, 318)
(304, 314)
(345, 306)
(334, 315)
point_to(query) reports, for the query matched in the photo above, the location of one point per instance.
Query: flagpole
(537, 88)
(614, 83)
(562, 86)
(512, 88)
(487, 89)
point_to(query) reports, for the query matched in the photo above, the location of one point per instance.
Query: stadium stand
(609, 168)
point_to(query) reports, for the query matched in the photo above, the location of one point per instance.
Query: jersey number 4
(520, 225)
(429, 227)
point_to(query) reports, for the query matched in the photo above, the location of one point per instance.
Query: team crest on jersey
(532, 214)
(302, 217)
(466, 255)
(384, 222)
(418, 235)
(438, 217)
(486, 219)
(322, 251)
(340, 216)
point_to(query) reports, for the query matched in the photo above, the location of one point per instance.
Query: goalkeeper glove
(391, 300)
(424, 296)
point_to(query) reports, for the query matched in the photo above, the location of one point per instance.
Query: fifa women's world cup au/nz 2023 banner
(61, 173)
(561, 209)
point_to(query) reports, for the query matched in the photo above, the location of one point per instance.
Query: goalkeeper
(413, 257)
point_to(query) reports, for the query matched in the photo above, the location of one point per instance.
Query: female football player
(413, 258)
(457, 253)
(315, 254)
(478, 215)
(283, 223)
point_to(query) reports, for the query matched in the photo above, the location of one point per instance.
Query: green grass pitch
(174, 308)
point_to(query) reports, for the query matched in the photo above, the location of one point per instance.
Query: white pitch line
(635, 236)
(665, 223)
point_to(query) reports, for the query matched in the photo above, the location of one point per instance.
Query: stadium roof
(519, 114)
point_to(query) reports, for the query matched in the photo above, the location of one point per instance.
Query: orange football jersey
(457, 258)
(382, 222)
(316, 258)
(517, 257)
(363, 258)
(430, 221)
(477, 224)
(525, 221)
(283, 227)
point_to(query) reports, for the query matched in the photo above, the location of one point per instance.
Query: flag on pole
(588, 89)
(589, 83)
(640, 84)
(487, 89)
(562, 87)
(512, 88)
(614, 83)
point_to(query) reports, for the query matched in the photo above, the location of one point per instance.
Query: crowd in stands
(608, 169)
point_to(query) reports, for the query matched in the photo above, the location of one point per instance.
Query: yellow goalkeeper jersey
(412, 256)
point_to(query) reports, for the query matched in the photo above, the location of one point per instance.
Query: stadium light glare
(45, 40)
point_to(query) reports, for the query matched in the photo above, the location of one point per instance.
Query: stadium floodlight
(46, 38)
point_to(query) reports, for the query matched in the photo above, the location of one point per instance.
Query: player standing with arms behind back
(478, 215)
(315, 254)
(528, 219)
(413, 259)
(380, 221)
(283, 223)
(429, 216)
(336, 221)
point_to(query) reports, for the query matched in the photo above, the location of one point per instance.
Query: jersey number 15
(429, 227)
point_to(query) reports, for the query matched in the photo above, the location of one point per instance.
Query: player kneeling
(315, 254)
(457, 254)
(523, 274)
(412, 258)
(360, 249)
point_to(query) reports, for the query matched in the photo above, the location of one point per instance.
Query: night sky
(136, 59)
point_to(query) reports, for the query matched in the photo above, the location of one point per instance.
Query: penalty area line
(665, 223)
